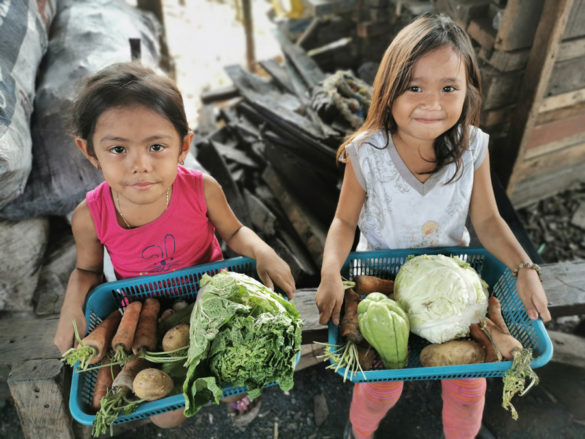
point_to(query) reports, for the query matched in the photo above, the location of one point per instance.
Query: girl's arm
(244, 241)
(496, 236)
(329, 297)
(87, 274)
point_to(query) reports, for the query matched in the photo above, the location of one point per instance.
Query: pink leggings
(463, 401)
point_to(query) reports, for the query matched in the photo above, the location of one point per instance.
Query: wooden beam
(562, 100)
(37, 389)
(538, 72)
(249, 30)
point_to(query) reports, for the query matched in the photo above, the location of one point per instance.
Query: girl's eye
(118, 149)
(414, 88)
(449, 88)
(156, 147)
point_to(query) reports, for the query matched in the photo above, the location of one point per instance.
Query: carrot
(145, 337)
(370, 284)
(479, 336)
(503, 343)
(94, 346)
(495, 314)
(349, 327)
(124, 337)
(117, 399)
(103, 382)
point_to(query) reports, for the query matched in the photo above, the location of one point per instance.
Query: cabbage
(442, 296)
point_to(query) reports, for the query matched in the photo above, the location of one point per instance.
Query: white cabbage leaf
(442, 296)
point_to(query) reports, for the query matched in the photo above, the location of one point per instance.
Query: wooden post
(541, 60)
(37, 389)
(249, 29)
(156, 7)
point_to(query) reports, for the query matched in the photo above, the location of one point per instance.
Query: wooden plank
(568, 348)
(481, 30)
(538, 71)
(562, 100)
(307, 68)
(519, 23)
(219, 94)
(248, 22)
(310, 230)
(278, 74)
(555, 135)
(27, 338)
(37, 389)
(576, 23)
(561, 113)
(567, 76)
(564, 284)
(304, 300)
(547, 175)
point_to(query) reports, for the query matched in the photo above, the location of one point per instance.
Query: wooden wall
(532, 58)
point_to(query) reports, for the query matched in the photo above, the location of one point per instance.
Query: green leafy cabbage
(241, 334)
(442, 296)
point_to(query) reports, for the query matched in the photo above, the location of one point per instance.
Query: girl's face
(433, 101)
(138, 151)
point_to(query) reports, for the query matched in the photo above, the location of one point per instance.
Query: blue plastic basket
(105, 298)
(502, 284)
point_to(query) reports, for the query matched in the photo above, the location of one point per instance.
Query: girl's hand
(532, 295)
(329, 299)
(272, 269)
(64, 335)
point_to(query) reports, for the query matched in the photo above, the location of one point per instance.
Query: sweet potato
(479, 336)
(349, 327)
(371, 284)
(451, 353)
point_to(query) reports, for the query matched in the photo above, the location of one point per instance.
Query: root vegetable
(103, 382)
(124, 337)
(349, 327)
(504, 344)
(372, 284)
(366, 355)
(176, 338)
(145, 336)
(152, 384)
(94, 346)
(479, 336)
(495, 314)
(452, 353)
(117, 399)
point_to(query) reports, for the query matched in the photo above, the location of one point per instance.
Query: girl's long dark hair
(426, 33)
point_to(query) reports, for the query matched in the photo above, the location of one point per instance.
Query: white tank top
(401, 212)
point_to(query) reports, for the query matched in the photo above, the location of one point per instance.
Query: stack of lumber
(272, 148)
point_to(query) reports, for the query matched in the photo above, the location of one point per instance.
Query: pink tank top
(181, 237)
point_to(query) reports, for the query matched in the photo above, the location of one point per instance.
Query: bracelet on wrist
(529, 265)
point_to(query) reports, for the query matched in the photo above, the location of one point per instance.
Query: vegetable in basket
(385, 325)
(442, 296)
(94, 346)
(241, 334)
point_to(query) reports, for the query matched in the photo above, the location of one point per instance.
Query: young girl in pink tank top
(151, 214)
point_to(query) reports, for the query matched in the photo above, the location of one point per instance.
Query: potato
(176, 337)
(451, 353)
(151, 384)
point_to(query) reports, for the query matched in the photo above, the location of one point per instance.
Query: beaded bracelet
(530, 265)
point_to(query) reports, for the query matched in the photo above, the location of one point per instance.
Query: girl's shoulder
(370, 140)
(478, 141)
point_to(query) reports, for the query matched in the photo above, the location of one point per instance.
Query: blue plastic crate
(105, 298)
(502, 284)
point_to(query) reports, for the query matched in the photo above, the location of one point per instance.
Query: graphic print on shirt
(163, 257)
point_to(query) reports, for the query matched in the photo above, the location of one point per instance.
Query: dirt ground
(554, 409)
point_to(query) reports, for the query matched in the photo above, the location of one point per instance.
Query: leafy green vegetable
(241, 334)
(442, 296)
(385, 326)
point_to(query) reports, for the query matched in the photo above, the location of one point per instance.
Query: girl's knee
(169, 419)
(470, 389)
